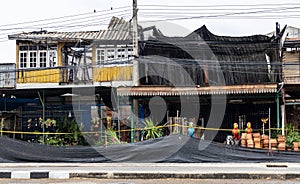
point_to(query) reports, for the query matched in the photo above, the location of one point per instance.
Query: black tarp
(224, 59)
(173, 148)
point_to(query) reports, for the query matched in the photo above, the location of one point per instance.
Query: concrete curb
(183, 176)
(34, 175)
(276, 171)
(112, 175)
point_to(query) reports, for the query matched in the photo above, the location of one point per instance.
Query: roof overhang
(185, 91)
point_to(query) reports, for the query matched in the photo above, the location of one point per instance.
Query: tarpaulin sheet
(173, 148)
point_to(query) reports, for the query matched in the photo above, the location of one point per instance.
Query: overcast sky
(177, 17)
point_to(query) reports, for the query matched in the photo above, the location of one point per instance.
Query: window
(52, 58)
(118, 53)
(110, 54)
(130, 53)
(43, 59)
(32, 59)
(121, 53)
(100, 56)
(23, 60)
(33, 56)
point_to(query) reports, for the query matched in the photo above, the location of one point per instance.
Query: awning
(185, 91)
(9, 104)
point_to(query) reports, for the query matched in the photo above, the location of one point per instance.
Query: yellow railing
(56, 75)
(39, 76)
(106, 74)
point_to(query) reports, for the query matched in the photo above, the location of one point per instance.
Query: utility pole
(135, 44)
(135, 29)
(134, 102)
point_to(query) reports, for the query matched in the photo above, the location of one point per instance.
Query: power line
(223, 5)
(62, 17)
(100, 18)
(225, 14)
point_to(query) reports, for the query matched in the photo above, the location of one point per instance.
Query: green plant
(55, 140)
(48, 122)
(112, 137)
(69, 133)
(150, 130)
(73, 130)
(292, 136)
(275, 133)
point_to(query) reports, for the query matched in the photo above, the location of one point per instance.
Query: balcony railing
(72, 74)
(41, 75)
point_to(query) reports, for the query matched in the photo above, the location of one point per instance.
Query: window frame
(110, 54)
(43, 59)
(101, 58)
(33, 60)
(43, 56)
(23, 59)
(107, 54)
(121, 53)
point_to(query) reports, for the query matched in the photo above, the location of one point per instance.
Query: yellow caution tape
(129, 130)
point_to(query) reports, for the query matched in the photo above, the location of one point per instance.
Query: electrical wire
(221, 5)
(273, 10)
(62, 17)
(90, 20)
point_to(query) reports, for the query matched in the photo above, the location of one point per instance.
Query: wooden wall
(291, 68)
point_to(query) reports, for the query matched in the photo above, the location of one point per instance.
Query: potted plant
(293, 138)
(73, 134)
(150, 130)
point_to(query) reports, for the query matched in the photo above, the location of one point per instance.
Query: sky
(172, 17)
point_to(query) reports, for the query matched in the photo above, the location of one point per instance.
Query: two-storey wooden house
(56, 66)
(58, 58)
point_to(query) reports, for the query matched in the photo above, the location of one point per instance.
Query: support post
(278, 110)
(283, 111)
(15, 124)
(118, 109)
(132, 121)
(282, 119)
(270, 149)
(42, 100)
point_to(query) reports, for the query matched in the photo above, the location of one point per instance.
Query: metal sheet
(211, 90)
(7, 75)
(118, 30)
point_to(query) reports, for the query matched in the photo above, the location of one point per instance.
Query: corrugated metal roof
(73, 36)
(118, 29)
(119, 24)
(184, 91)
(293, 32)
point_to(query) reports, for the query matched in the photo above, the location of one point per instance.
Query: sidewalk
(150, 170)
